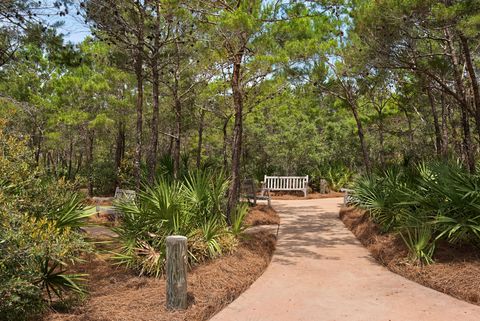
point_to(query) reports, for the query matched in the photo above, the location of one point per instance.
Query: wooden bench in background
(249, 191)
(120, 194)
(285, 183)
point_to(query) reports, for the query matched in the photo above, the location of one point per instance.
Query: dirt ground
(262, 215)
(118, 295)
(456, 271)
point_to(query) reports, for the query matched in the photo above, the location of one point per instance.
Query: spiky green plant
(193, 207)
(441, 199)
(420, 243)
(238, 219)
(54, 279)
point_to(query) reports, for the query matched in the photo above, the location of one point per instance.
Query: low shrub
(337, 176)
(39, 234)
(425, 203)
(193, 207)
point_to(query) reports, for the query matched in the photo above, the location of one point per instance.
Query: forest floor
(118, 294)
(456, 271)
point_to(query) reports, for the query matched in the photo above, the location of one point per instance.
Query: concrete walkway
(320, 272)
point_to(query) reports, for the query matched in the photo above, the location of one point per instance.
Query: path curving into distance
(321, 272)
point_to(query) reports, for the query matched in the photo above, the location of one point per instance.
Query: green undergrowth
(424, 204)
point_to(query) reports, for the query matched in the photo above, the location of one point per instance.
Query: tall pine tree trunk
(139, 103)
(473, 78)
(361, 135)
(233, 193)
(153, 150)
(177, 139)
(467, 139)
(152, 157)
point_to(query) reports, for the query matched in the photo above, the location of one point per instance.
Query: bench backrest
(124, 194)
(286, 183)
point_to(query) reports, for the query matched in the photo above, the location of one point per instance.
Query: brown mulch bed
(456, 270)
(118, 295)
(262, 215)
(299, 195)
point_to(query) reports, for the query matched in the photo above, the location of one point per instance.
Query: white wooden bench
(120, 194)
(285, 183)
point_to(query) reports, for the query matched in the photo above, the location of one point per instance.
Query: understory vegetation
(193, 206)
(426, 203)
(39, 235)
(182, 100)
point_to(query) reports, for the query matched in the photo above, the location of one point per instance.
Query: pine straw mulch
(456, 271)
(118, 295)
(262, 215)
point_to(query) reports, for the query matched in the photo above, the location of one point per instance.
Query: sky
(74, 28)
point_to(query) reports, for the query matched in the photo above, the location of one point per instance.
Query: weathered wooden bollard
(323, 186)
(176, 272)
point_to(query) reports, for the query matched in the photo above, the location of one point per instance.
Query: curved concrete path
(320, 272)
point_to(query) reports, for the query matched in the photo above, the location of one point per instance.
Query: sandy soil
(456, 271)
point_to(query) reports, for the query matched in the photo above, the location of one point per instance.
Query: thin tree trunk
(467, 140)
(52, 162)
(200, 138)
(70, 159)
(473, 79)
(444, 127)
(381, 137)
(119, 149)
(177, 140)
(79, 165)
(89, 161)
(361, 136)
(139, 104)
(39, 148)
(225, 142)
(152, 157)
(178, 115)
(410, 128)
(436, 124)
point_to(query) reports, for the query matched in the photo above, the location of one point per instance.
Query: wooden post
(323, 186)
(177, 272)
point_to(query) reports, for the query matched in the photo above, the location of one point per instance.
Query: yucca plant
(72, 214)
(238, 219)
(54, 279)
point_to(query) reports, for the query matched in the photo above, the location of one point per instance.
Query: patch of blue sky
(72, 27)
